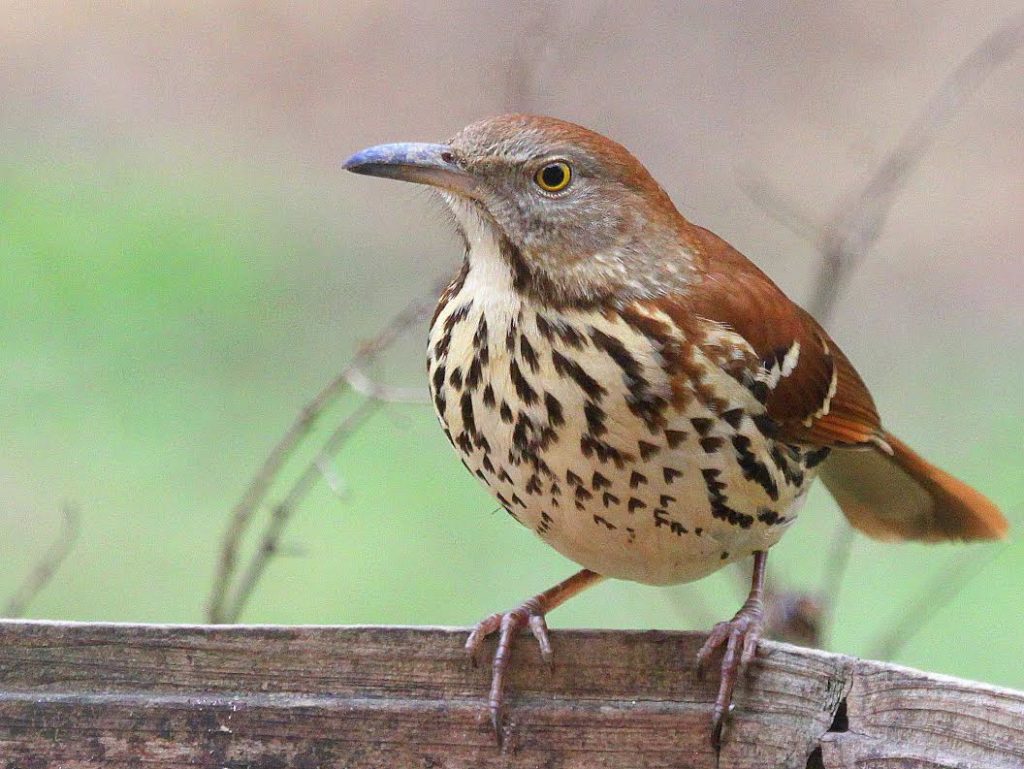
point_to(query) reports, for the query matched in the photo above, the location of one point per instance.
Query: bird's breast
(631, 452)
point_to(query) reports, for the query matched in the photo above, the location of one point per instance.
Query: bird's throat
(490, 277)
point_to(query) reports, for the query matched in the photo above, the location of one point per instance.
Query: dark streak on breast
(753, 468)
(595, 417)
(572, 369)
(554, 409)
(529, 354)
(719, 503)
(525, 392)
(674, 438)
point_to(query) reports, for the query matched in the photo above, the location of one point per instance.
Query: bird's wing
(814, 397)
(808, 386)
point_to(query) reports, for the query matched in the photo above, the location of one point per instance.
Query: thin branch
(335, 482)
(260, 485)
(45, 569)
(853, 231)
(270, 540)
(859, 222)
(361, 383)
(940, 590)
(778, 207)
(860, 219)
(540, 32)
(524, 59)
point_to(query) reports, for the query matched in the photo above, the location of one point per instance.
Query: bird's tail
(901, 496)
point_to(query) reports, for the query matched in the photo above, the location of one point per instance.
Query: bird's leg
(531, 612)
(739, 636)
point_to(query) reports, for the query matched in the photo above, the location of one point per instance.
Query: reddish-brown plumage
(635, 390)
(731, 290)
(903, 497)
(493, 135)
(869, 483)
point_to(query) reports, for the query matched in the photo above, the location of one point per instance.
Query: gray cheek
(592, 226)
(554, 230)
(508, 211)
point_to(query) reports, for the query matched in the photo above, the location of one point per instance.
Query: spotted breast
(635, 390)
(615, 434)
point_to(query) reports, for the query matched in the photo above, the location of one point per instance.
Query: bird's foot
(739, 636)
(529, 614)
(508, 624)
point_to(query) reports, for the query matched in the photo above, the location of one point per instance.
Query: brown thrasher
(635, 390)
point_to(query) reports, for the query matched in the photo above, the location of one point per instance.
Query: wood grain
(102, 695)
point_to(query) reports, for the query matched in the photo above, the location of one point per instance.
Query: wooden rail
(104, 695)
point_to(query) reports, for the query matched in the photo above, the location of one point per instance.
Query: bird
(636, 391)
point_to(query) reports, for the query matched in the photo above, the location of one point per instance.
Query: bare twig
(850, 235)
(283, 510)
(939, 591)
(803, 616)
(335, 482)
(858, 223)
(835, 569)
(260, 485)
(44, 570)
(779, 207)
(860, 218)
(538, 37)
(361, 383)
(524, 60)
(795, 617)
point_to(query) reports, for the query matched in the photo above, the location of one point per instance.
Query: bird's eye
(553, 177)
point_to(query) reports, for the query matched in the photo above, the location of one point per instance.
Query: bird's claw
(508, 624)
(739, 636)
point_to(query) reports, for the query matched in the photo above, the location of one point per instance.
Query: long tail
(901, 496)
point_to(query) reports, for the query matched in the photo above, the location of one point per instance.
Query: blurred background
(183, 265)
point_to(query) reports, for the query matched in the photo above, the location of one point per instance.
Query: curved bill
(412, 162)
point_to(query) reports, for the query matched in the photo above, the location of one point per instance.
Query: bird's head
(573, 215)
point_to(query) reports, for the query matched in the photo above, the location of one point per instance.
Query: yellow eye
(553, 177)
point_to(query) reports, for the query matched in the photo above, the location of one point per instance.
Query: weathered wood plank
(94, 695)
(903, 718)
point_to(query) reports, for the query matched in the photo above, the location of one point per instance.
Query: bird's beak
(431, 164)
